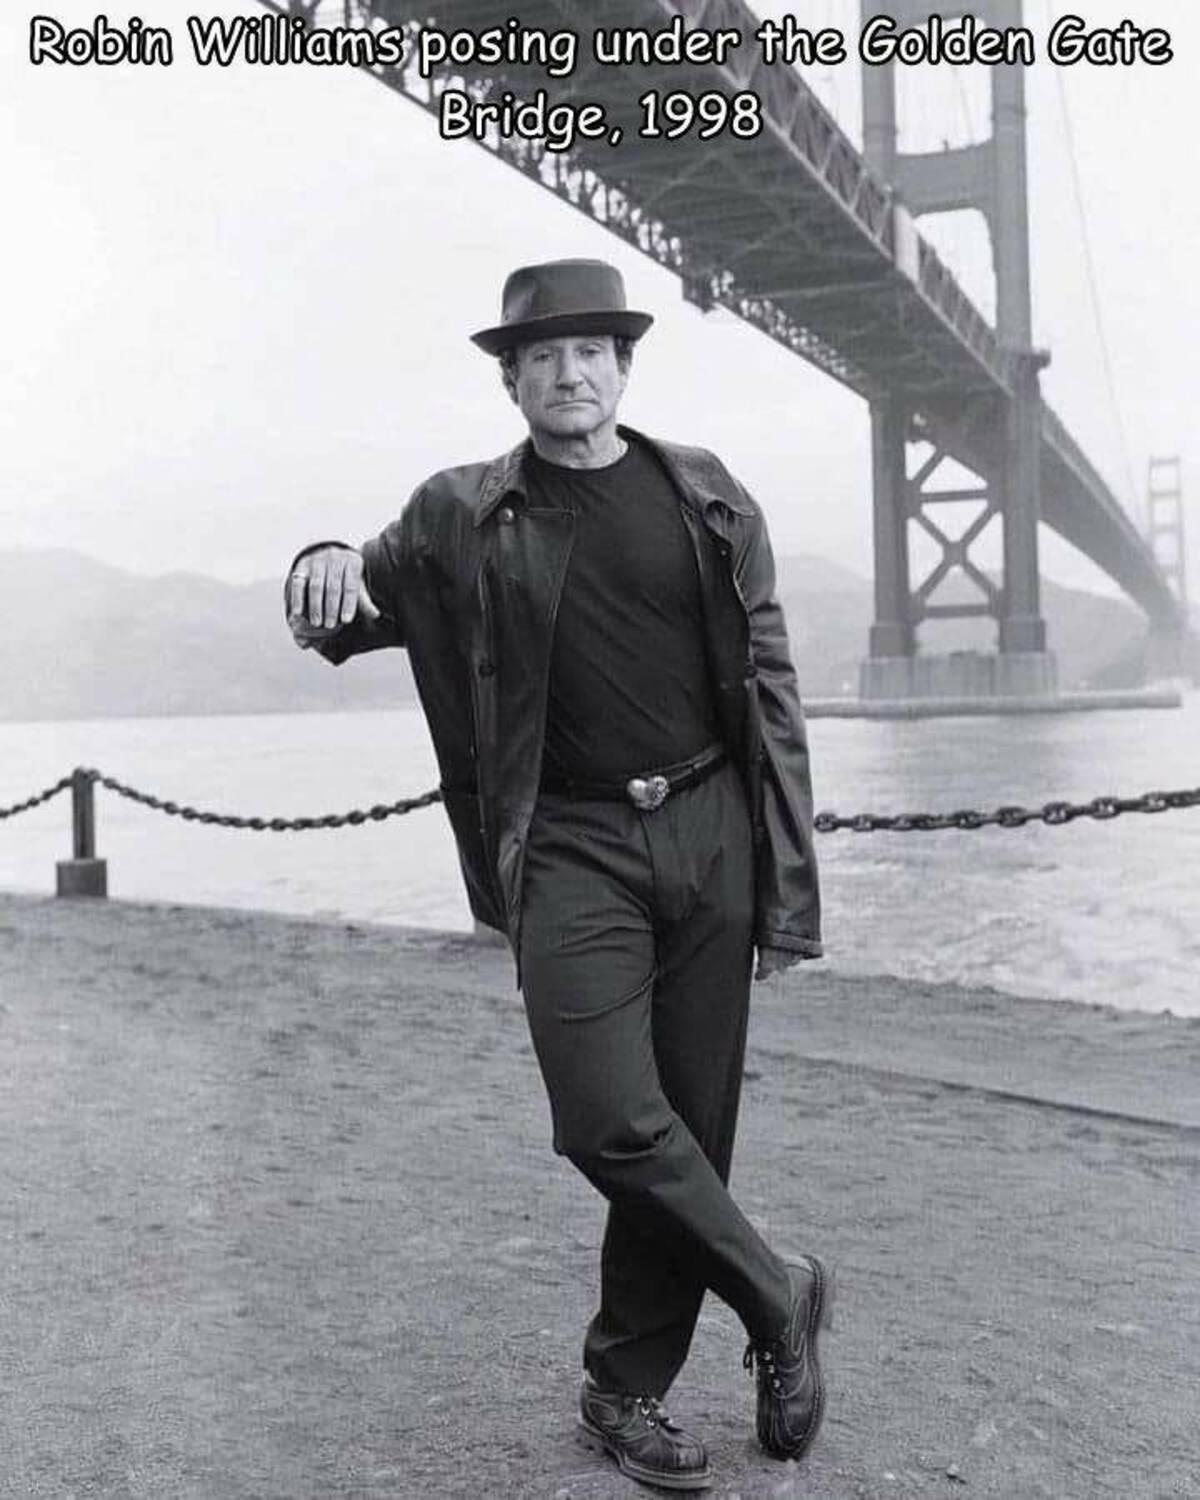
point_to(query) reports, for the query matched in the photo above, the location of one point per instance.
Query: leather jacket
(469, 578)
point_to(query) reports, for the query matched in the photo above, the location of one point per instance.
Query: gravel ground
(280, 1219)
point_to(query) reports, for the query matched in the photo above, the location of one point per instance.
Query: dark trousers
(636, 953)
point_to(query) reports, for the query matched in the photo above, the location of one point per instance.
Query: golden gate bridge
(814, 243)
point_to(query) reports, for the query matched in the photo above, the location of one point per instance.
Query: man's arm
(789, 906)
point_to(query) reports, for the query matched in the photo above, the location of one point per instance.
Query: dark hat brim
(626, 325)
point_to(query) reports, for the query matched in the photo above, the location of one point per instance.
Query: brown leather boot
(791, 1395)
(645, 1442)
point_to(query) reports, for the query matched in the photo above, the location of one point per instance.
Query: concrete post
(84, 874)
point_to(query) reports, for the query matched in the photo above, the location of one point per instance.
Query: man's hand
(325, 592)
(775, 960)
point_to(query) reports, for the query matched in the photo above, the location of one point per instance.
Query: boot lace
(651, 1410)
(764, 1357)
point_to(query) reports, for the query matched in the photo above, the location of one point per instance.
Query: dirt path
(280, 1219)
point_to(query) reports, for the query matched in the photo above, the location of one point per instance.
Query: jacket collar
(503, 476)
(696, 474)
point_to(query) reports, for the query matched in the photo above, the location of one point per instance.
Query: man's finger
(351, 583)
(316, 592)
(355, 598)
(334, 577)
(366, 605)
(298, 593)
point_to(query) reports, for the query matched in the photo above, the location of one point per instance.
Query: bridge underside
(789, 230)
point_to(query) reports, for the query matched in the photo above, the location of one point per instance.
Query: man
(594, 634)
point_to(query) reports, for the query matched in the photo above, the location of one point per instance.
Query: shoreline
(286, 1222)
(1173, 693)
(1140, 1065)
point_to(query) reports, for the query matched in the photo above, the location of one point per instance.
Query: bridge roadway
(789, 230)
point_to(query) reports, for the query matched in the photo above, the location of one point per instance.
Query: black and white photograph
(600, 750)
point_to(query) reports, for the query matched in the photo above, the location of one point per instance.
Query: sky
(236, 301)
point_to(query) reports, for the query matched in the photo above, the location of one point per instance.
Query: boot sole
(820, 1315)
(662, 1479)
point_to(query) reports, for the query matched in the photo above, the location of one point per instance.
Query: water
(1101, 912)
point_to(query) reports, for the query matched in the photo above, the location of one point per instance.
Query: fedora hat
(562, 297)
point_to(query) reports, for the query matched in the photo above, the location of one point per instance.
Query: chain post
(83, 874)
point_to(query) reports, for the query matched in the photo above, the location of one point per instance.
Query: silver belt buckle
(648, 793)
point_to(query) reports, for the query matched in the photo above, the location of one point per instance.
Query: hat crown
(558, 299)
(559, 288)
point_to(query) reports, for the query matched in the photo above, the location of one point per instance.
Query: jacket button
(507, 515)
(485, 668)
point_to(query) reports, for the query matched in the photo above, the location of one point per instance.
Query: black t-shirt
(629, 682)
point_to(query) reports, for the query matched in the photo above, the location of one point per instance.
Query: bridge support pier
(989, 176)
(1025, 667)
(896, 668)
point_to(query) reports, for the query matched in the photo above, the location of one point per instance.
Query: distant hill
(86, 640)
(93, 641)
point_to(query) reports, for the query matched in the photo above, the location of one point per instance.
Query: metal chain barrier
(1052, 813)
(351, 819)
(35, 801)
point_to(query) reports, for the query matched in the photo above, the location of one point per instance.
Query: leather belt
(648, 790)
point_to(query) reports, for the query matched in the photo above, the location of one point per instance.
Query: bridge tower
(1164, 522)
(990, 176)
(1170, 652)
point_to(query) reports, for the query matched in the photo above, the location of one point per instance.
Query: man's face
(568, 387)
